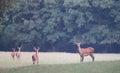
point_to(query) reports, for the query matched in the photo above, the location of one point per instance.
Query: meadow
(55, 62)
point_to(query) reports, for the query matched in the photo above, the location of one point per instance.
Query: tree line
(55, 25)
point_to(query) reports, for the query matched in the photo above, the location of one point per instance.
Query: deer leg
(92, 56)
(18, 58)
(33, 62)
(82, 58)
(37, 61)
(13, 57)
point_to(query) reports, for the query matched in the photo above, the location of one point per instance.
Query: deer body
(85, 52)
(18, 53)
(13, 53)
(35, 57)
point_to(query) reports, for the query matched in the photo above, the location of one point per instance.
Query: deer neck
(79, 48)
(36, 52)
(19, 49)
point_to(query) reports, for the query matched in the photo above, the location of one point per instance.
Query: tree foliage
(56, 24)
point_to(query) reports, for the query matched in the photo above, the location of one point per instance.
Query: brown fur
(85, 52)
(35, 57)
(13, 53)
(18, 53)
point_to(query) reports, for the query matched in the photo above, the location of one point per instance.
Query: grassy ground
(90, 67)
(60, 63)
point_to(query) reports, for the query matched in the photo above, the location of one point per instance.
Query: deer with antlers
(35, 57)
(85, 52)
(13, 53)
(18, 53)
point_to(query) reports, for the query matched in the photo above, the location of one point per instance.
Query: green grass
(85, 67)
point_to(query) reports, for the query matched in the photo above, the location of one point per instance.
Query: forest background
(54, 25)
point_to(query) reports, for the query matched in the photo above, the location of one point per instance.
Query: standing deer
(85, 52)
(35, 57)
(18, 53)
(13, 53)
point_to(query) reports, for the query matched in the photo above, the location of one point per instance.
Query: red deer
(85, 52)
(18, 53)
(13, 53)
(35, 57)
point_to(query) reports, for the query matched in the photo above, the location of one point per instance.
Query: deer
(35, 57)
(13, 53)
(85, 52)
(18, 53)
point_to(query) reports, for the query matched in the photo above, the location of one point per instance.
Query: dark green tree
(53, 25)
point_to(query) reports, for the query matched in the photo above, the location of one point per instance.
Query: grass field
(60, 63)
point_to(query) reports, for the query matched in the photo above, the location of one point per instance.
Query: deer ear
(75, 42)
(13, 49)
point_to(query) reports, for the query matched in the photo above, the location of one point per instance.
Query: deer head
(78, 44)
(13, 49)
(36, 49)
